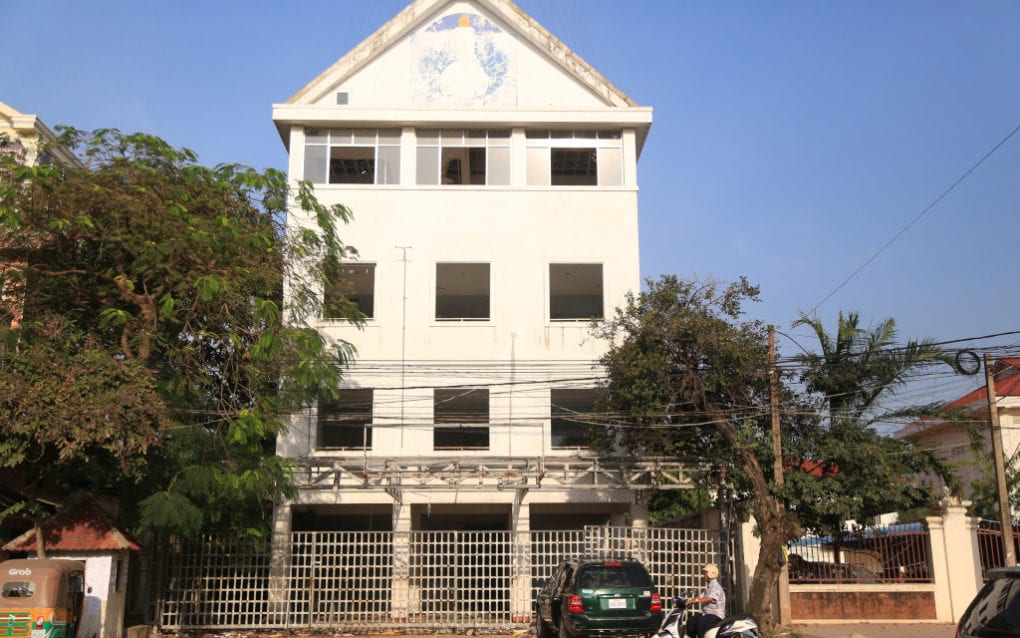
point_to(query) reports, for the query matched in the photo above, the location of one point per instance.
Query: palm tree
(858, 366)
(858, 471)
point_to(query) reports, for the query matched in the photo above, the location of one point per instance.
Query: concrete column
(639, 514)
(639, 545)
(279, 560)
(956, 563)
(520, 594)
(746, 558)
(629, 158)
(404, 599)
(296, 163)
(518, 157)
(408, 154)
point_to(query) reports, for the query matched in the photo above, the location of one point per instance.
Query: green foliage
(985, 490)
(685, 364)
(688, 376)
(166, 278)
(846, 469)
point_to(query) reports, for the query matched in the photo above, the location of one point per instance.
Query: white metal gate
(362, 581)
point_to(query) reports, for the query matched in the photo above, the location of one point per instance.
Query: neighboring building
(953, 441)
(30, 142)
(84, 531)
(493, 178)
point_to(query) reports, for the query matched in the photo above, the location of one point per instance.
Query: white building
(972, 460)
(492, 174)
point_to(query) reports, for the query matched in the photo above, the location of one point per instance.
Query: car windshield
(609, 576)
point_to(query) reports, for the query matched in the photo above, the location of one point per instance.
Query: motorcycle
(674, 624)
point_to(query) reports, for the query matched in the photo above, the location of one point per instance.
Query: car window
(608, 576)
(995, 607)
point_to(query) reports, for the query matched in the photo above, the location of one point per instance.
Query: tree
(688, 376)
(154, 344)
(848, 469)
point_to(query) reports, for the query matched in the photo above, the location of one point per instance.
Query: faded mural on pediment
(464, 59)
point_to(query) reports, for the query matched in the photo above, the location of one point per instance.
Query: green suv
(598, 597)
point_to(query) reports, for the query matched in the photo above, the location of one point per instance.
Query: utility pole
(1005, 518)
(783, 585)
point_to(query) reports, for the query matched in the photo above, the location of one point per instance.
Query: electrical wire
(917, 218)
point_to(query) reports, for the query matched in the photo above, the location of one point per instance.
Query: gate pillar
(520, 596)
(279, 562)
(402, 603)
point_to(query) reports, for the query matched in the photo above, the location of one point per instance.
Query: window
(575, 158)
(18, 589)
(460, 408)
(462, 292)
(454, 157)
(354, 292)
(344, 423)
(575, 292)
(343, 156)
(570, 412)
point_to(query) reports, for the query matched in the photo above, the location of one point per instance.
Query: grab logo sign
(14, 571)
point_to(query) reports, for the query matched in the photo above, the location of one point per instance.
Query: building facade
(492, 175)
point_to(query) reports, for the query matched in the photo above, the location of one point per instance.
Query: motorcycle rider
(712, 601)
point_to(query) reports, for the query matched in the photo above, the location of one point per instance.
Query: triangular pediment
(462, 54)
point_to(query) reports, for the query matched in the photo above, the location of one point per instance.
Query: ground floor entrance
(368, 580)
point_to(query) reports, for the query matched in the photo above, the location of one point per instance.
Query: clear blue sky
(791, 140)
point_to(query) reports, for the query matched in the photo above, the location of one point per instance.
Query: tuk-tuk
(41, 598)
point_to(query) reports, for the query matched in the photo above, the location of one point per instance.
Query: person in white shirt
(712, 601)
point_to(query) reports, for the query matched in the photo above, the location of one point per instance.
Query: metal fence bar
(448, 579)
(990, 545)
(896, 553)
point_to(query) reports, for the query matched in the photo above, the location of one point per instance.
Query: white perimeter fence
(369, 581)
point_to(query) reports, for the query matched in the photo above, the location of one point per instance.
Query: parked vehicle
(735, 626)
(41, 598)
(993, 612)
(598, 597)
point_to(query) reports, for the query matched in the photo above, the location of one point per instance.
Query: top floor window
(575, 158)
(456, 157)
(345, 156)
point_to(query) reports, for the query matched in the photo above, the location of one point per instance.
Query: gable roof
(418, 11)
(82, 527)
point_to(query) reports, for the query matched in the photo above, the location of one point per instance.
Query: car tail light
(656, 603)
(612, 563)
(574, 605)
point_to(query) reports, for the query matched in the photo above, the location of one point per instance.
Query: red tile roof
(1006, 372)
(1008, 386)
(82, 527)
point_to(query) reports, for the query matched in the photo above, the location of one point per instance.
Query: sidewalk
(874, 630)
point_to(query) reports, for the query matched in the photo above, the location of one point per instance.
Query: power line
(917, 218)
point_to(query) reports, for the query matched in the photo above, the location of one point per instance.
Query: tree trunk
(774, 525)
(40, 546)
